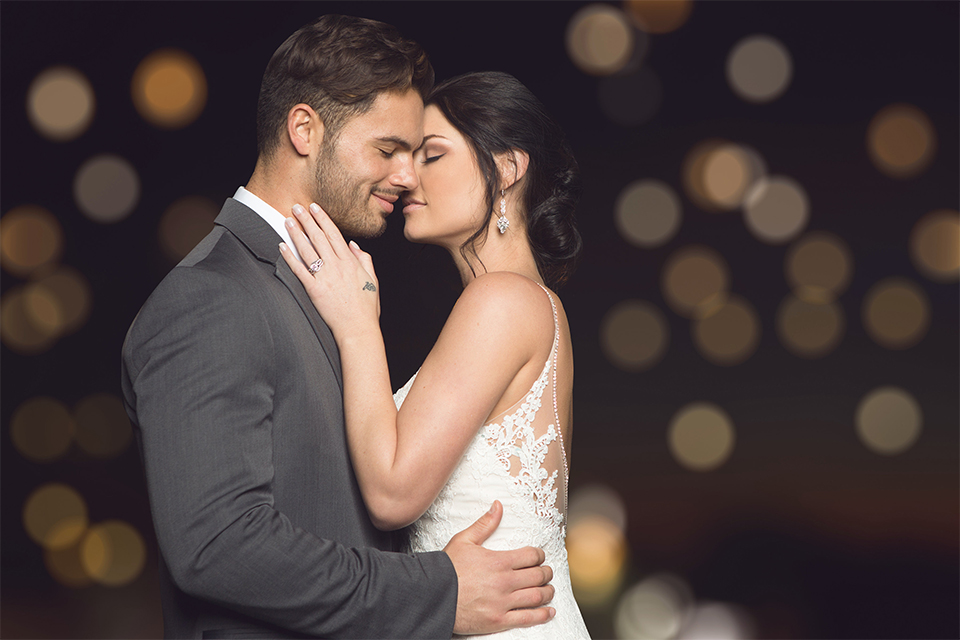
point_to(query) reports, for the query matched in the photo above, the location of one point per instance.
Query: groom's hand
(498, 590)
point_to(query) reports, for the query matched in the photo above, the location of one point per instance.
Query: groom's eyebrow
(400, 142)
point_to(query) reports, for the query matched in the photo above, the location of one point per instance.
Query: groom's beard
(346, 199)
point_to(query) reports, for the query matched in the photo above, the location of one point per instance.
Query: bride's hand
(341, 281)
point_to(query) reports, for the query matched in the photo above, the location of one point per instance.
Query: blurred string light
(169, 89)
(819, 267)
(113, 553)
(718, 621)
(935, 245)
(42, 429)
(718, 174)
(596, 546)
(630, 99)
(888, 420)
(60, 104)
(184, 224)
(30, 238)
(701, 436)
(776, 209)
(106, 188)
(18, 330)
(600, 40)
(102, 427)
(648, 213)
(34, 316)
(729, 334)
(634, 335)
(901, 141)
(695, 281)
(896, 313)
(66, 567)
(55, 516)
(658, 16)
(759, 68)
(810, 329)
(653, 609)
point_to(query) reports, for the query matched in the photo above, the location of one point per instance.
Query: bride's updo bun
(496, 113)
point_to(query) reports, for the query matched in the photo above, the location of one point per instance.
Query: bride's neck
(498, 253)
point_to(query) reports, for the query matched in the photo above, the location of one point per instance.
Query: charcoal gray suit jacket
(233, 383)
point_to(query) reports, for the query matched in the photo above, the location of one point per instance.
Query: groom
(233, 382)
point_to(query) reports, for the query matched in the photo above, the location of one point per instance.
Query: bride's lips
(409, 204)
(386, 202)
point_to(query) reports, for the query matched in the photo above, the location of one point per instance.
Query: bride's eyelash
(433, 158)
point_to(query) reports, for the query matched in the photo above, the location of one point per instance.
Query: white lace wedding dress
(517, 459)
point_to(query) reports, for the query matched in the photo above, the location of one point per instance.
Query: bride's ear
(512, 166)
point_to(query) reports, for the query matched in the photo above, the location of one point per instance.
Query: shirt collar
(270, 215)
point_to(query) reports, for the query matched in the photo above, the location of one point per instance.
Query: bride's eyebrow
(430, 137)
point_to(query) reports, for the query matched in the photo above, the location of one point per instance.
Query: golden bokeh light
(889, 420)
(759, 68)
(634, 335)
(67, 294)
(113, 553)
(810, 330)
(776, 209)
(41, 429)
(30, 238)
(729, 334)
(653, 609)
(648, 213)
(600, 40)
(55, 516)
(184, 224)
(935, 245)
(597, 555)
(106, 188)
(901, 141)
(64, 566)
(819, 267)
(18, 329)
(658, 16)
(718, 175)
(103, 428)
(896, 313)
(695, 280)
(60, 103)
(597, 500)
(169, 89)
(701, 436)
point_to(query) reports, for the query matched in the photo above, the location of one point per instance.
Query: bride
(488, 415)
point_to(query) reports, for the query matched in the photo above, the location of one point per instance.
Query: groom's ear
(512, 166)
(304, 129)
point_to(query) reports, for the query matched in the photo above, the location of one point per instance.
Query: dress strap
(556, 413)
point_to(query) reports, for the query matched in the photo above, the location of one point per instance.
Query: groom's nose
(405, 176)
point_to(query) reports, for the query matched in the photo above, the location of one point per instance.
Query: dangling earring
(502, 222)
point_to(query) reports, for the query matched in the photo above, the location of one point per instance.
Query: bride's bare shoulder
(508, 297)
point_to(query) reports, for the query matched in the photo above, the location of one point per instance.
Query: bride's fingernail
(299, 210)
(290, 223)
(314, 207)
(354, 245)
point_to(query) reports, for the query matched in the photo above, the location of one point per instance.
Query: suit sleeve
(198, 372)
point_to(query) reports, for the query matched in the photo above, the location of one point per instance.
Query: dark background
(807, 530)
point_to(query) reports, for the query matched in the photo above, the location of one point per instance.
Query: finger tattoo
(369, 287)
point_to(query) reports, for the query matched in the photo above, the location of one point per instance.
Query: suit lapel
(263, 242)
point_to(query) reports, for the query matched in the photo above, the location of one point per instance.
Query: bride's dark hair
(496, 113)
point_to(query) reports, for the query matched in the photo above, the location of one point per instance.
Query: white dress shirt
(272, 217)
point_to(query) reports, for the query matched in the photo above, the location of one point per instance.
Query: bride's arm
(402, 461)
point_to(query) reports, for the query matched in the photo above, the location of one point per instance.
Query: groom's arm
(198, 368)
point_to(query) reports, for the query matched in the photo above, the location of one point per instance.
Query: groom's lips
(386, 202)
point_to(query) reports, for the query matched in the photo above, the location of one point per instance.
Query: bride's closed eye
(428, 158)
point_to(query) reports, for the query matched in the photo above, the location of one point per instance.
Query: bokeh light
(184, 224)
(103, 428)
(597, 555)
(658, 16)
(648, 213)
(60, 103)
(597, 501)
(106, 188)
(695, 280)
(67, 291)
(653, 609)
(113, 553)
(18, 330)
(169, 89)
(630, 99)
(41, 429)
(64, 566)
(600, 40)
(30, 238)
(759, 68)
(701, 436)
(728, 335)
(718, 621)
(901, 141)
(634, 335)
(896, 313)
(808, 329)
(718, 174)
(935, 245)
(889, 420)
(819, 267)
(55, 516)
(776, 209)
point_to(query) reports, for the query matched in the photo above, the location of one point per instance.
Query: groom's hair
(337, 65)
